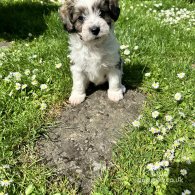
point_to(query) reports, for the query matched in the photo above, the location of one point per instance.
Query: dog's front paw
(76, 99)
(115, 96)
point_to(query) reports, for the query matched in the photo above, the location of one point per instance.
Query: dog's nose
(95, 30)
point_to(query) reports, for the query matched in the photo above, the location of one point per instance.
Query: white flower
(33, 77)
(156, 166)
(181, 139)
(169, 154)
(155, 114)
(176, 143)
(43, 86)
(178, 96)
(136, 47)
(2, 193)
(17, 76)
(159, 137)
(168, 118)
(169, 126)
(24, 86)
(34, 56)
(34, 82)
(59, 65)
(187, 159)
(27, 72)
(186, 192)
(164, 163)
(181, 75)
(122, 47)
(150, 167)
(155, 85)
(5, 166)
(193, 124)
(127, 60)
(5, 182)
(148, 74)
(154, 130)
(30, 34)
(183, 172)
(43, 106)
(18, 86)
(163, 130)
(136, 123)
(126, 52)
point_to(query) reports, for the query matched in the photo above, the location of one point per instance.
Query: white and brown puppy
(94, 48)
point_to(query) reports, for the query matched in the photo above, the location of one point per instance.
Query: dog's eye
(102, 13)
(81, 18)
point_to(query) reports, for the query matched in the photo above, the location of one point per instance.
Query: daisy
(187, 159)
(176, 143)
(33, 77)
(18, 86)
(156, 166)
(178, 96)
(24, 86)
(155, 114)
(43, 106)
(17, 76)
(183, 172)
(154, 130)
(5, 182)
(155, 85)
(150, 167)
(186, 192)
(168, 118)
(136, 47)
(136, 123)
(159, 137)
(148, 74)
(43, 86)
(164, 163)
(34, 82)
(59, 65)
(126, 52)
(27, 72)
(181, 75)
(122, 47)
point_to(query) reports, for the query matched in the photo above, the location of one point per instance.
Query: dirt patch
(5, 44)
(80, 144)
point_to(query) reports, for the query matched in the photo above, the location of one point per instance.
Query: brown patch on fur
(78, 12)
(66, 12)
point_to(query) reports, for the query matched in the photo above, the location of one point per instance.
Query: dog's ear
(66, 14)
(114, 9)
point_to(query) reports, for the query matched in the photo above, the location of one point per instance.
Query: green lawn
(156, 155)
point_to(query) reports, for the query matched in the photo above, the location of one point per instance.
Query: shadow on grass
(133, 75)
(19, 19)
(179, 183)
(132, 78)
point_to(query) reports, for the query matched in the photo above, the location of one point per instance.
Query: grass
(164, 50)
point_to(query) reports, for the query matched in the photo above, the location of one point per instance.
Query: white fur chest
(94, 60)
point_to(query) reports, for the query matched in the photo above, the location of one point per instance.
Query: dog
(94, 50)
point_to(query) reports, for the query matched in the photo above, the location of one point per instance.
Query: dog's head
(90, 19)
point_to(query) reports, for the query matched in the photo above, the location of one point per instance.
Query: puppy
(94, 50)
